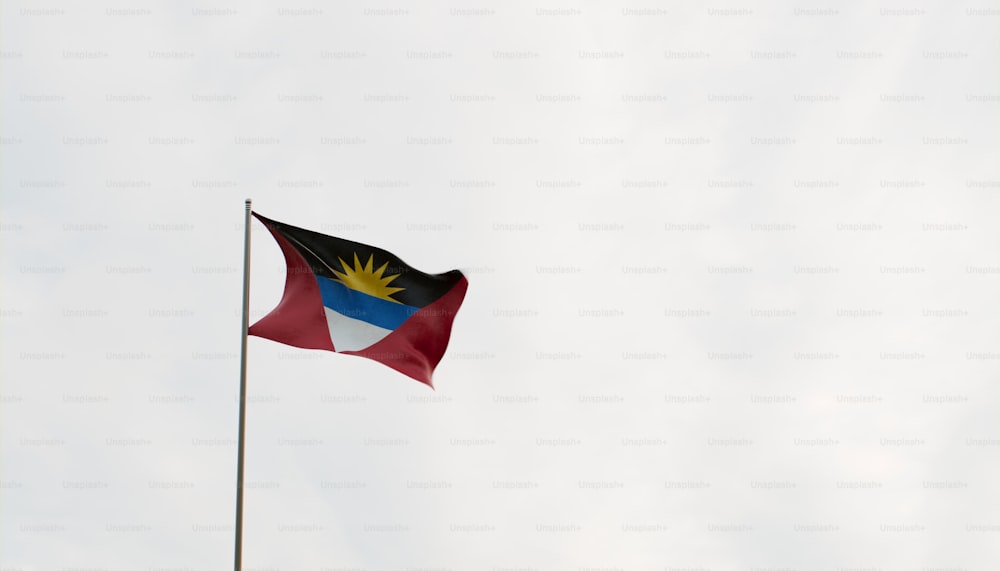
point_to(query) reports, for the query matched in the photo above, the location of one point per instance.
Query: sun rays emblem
(366, 280)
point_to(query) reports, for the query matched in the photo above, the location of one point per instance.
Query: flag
(356, 299)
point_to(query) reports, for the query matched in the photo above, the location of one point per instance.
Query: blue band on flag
(357, 305)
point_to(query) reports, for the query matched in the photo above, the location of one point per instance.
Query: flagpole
(238, 560)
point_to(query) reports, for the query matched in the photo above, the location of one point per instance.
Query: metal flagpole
(238, 560)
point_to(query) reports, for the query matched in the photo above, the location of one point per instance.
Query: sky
(732, 270)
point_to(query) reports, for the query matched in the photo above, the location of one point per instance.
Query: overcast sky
(733, 284)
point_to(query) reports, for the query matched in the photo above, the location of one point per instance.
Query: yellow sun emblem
(365, 280)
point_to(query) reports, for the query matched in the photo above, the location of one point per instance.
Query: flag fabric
(356, 299)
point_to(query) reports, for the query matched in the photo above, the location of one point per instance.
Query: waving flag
(361, 300)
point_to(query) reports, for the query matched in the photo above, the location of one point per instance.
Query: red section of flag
(416, 346)
(299, 319)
